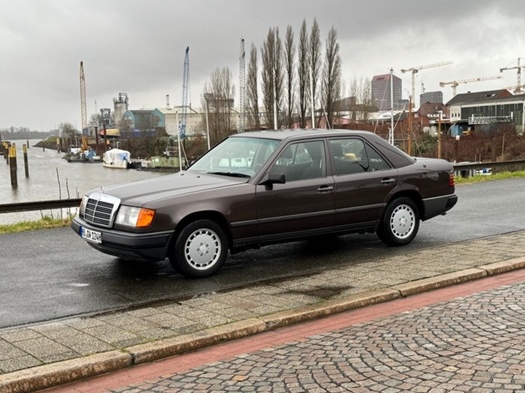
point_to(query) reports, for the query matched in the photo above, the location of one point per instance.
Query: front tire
(200, 249)
(400, 222)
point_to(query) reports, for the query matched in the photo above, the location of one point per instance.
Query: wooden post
(12, 165)
(409, 147)
(457, 148)
(96, 140)
(26, 164)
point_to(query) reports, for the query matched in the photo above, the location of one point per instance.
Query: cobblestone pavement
(471, 344)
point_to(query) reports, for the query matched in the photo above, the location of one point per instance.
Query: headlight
(135, 217)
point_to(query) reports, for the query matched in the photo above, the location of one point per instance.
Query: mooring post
(26, 164)
(12, 165)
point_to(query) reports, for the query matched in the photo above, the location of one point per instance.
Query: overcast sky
(137, 47)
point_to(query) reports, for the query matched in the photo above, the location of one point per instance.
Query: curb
(55, 374)
(59, 373)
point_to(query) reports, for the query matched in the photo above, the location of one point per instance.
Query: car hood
(141, 192)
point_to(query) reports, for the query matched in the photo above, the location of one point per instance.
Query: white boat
(116, 158)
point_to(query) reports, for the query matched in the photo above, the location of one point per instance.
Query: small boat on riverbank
(161, 164)
(86, 157)
(116, 158)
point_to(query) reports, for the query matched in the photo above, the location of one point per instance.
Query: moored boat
(116, 158)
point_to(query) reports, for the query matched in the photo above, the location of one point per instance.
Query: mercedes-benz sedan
(264, 187)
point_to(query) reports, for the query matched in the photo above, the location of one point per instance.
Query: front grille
(100, 209)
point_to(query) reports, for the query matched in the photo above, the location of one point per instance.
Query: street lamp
(206, 97)
(439, 133)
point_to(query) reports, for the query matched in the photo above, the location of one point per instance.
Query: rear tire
(400, 222)
(200, 249)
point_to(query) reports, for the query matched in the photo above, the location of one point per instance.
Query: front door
(304, 203)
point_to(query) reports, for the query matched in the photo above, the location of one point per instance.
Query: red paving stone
(300, 332)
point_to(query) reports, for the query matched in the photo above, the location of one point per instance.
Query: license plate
(91, 236)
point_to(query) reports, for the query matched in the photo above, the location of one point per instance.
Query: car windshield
(237, 156)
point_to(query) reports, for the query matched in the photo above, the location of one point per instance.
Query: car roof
(302, 133)
(396, 156)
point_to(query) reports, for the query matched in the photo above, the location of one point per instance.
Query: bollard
(12, 165)
(26, 164)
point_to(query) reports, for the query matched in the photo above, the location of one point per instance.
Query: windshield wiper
(232, 174)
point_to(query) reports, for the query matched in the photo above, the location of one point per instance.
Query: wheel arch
(413, 195)
(203, 215)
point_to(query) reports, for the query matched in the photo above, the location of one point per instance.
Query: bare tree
(303, 74)
(272, 77)
(315, 62)
(366, 98)
(361, 91)
(219, 93)
(331, 84)
(252, 92)
(289, 61)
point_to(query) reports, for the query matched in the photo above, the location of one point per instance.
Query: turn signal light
(145, 218)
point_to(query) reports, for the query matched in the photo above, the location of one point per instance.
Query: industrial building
(433, 97)
(483, 111)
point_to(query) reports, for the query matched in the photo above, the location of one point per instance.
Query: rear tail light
(451, 179)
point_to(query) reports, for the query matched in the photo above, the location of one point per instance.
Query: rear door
(363, 181)
(304, 204)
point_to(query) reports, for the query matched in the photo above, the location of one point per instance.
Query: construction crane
(415, 70)
(185, 82)
(242, 89)
(518, 68)
(83, 99)
(515, 88)
(455, 84)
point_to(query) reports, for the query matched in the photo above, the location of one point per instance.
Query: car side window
(353, 155)
(300, 161)
(377, 163)
(349, 156)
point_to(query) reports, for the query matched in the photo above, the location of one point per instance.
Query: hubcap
(402, 221)
(202, 249)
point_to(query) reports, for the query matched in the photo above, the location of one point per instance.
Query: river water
(52, 177)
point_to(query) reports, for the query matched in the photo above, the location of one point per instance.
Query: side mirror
(272, 178)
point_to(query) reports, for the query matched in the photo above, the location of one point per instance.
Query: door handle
(325, 189)
(388, 181)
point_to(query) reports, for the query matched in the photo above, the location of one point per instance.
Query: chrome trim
(100, 209)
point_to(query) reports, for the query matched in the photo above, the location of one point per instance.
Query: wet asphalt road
(52, 274)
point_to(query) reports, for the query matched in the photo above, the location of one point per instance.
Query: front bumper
(138, 246)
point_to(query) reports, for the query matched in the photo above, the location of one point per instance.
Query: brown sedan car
(259, 188)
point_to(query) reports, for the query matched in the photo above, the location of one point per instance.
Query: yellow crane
(518, 67)
(455, 84)
(415, 70)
